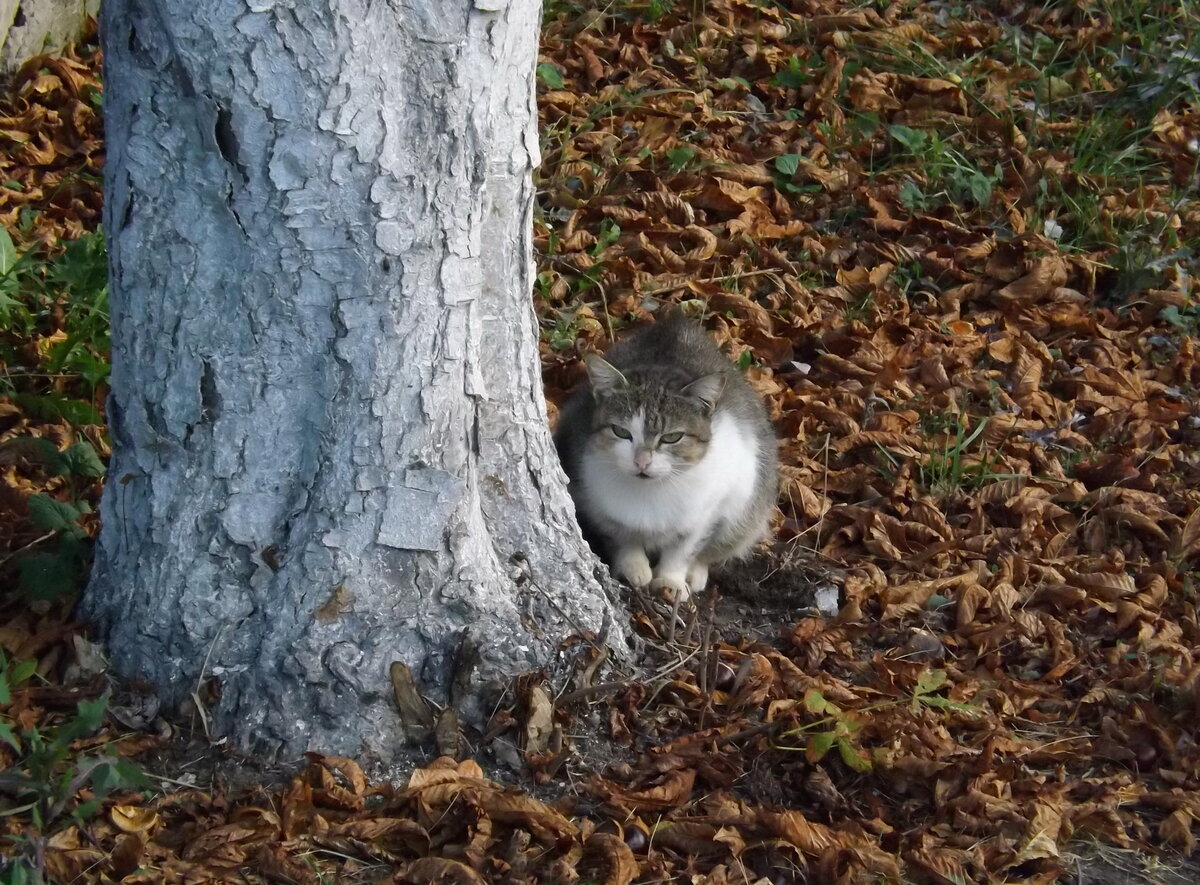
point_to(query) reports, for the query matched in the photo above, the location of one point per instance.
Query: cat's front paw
(672, 585)
(633, 566)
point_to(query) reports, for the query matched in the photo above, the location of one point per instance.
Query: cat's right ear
(707, 389)
(604, 376)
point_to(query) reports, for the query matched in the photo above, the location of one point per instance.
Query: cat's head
(651, 423)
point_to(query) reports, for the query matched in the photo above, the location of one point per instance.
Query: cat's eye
(619, 431)
(670, 438)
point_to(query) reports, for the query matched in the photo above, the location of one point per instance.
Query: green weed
(47, 776)
(837, 729)
(54, 328)
(862, 309)
(948, 470)
(953, 465)
(549, 75)
(941, 174)
(58, 563)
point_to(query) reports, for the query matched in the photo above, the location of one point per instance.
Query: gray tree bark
(330, 442)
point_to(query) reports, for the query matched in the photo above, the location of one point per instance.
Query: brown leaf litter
(988, 423)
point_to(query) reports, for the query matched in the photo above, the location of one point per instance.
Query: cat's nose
(641, 460)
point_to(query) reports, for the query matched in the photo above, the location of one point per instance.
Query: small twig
(170, 780)
(661, 676)
(589, 672)
(709, 656)
(764, 728)
(612, 336)
(772, 272)
(824, 493)
(588, 690)
(675, 603)
(32, 543)
(200, 682)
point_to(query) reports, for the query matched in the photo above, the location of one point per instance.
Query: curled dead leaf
(539, 720)
(1176, 830)
(437, 871)
(134, 819)
(1188, 543)
(609, 859)
(672, 791)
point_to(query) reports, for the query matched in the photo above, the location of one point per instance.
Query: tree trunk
(330, 441)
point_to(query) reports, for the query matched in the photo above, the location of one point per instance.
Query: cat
(671, 458)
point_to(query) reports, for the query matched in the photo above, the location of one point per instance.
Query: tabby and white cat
(671, 457)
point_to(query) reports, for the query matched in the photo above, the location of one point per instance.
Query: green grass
(54, 352)
(54, 327)
(952, 462)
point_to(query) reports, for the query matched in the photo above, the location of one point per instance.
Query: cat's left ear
(707, 389)
(605, 377)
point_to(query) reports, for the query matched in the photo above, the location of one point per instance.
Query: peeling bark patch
(417, 513)
(393, 237)
(436, 23)
(249, 517)
(291, 164)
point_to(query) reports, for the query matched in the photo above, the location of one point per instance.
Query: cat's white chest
(718, 486)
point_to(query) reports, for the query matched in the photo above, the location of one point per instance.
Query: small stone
(924, 646)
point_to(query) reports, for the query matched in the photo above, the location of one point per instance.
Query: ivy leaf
(679, 157)
(118, 774)
(930, 681)
(22, 671)
(914, 140)
(787, 164)
(89, 716)
(818, 745)
(549, 75)
(793, 76)
(34, 449)
(51, 515)
(1171, 314)
(852, 757)
(8, 736)
(51, 406)
(815, 702)
(911, 196)
(84, 811)
(81, 460)
(981, 187)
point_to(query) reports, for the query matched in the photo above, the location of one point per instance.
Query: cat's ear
(707, 389)
(604, 376)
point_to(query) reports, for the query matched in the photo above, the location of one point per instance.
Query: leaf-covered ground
(955, 246)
